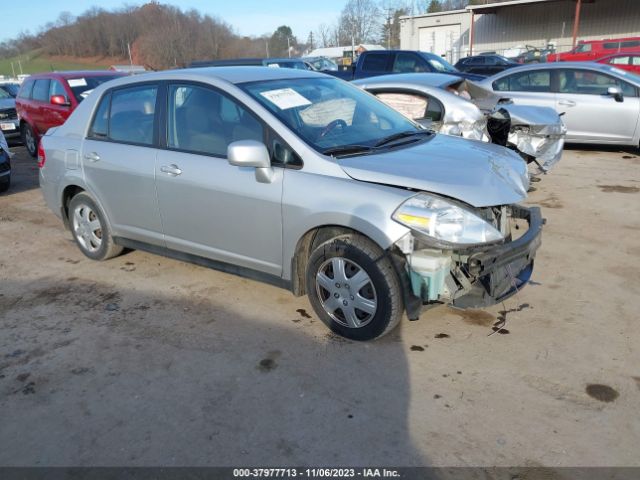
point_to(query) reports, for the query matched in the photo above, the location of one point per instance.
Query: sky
(248, 17)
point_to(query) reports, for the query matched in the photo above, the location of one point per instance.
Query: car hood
(478, 173)
(7, 103)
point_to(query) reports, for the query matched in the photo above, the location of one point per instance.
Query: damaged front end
(536, 133)
(472, 276)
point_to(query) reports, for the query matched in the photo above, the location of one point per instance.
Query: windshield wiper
(345, 149)
(399, 135)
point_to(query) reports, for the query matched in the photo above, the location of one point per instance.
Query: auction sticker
(77, 82)
(285, 98)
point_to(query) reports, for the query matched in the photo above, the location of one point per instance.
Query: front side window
(329, 113)
(439, 64)
(538, 81)
(583, 48)
(408, 63)
(203, 120)
(132, 114)
(588, 82)
(41, 90)
(56, 88)
(100, 126)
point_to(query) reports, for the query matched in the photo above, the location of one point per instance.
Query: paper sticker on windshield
(77, 82)
(273, 65)
(285, 98)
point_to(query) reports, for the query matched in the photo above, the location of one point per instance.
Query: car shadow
(96, 374)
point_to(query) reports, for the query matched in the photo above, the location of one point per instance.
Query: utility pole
(576, 22)
(288, 46)
(129, 50)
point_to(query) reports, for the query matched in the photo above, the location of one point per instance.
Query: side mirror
(60, 100)
(616, 93)
(250, 153)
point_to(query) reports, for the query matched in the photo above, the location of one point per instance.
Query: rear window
(41, 90)
(83, 86)
(374, 62)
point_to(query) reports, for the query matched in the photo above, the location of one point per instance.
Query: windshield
(4, 94)
(328, 113)
(10, 88)
(82, 87)
(441, 65)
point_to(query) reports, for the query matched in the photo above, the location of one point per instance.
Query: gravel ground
(143, 360)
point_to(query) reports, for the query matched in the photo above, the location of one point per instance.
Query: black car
(5, 169)
(485, 64)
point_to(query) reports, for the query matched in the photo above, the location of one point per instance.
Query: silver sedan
(600, 103)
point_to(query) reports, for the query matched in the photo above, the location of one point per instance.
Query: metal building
(500, 27)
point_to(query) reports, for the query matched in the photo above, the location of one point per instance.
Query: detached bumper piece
(490, 276)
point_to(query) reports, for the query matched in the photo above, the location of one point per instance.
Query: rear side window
(611, 45)
(127, 115)
(375, 62)
(538, 81)
(25, 90)
(475, 61)
(635, 61)
(41, 90)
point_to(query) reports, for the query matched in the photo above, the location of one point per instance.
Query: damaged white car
(451, 105)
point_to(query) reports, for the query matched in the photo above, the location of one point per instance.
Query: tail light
(41, 155)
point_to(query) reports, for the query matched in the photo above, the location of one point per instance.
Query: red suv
(591, 50)
(46, 100)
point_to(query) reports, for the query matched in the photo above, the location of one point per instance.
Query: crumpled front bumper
(492, 275)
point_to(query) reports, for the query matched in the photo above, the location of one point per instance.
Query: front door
(591, 114)
(209, 207)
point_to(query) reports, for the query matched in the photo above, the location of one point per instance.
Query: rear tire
(5, 183)
(29, 140)
(354, 288)
(90, 229)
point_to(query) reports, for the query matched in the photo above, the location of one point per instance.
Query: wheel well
(306, 245)
(69, 192)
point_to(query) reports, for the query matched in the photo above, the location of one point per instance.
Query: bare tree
(359, 21)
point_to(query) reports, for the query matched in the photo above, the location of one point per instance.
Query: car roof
(77, 73)
(438, 80)
(232, 74)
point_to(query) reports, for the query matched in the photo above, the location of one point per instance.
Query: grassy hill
(34, 62)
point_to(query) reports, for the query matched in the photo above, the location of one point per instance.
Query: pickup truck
(381, 62)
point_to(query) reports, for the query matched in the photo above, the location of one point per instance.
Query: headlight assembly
(444, 221)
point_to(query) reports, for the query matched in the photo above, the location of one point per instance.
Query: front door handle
(172, 170)
(92, 157)
(567, 103)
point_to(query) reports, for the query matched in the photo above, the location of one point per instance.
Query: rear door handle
(567, 103)
(92, 157)
(172, 170)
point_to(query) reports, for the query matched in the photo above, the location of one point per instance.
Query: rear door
(118, 158)
(591, 115)
(210, 208)
(373, 64)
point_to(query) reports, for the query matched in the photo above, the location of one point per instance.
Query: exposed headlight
(444, 221)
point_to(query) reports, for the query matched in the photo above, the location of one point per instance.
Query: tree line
(162, 36)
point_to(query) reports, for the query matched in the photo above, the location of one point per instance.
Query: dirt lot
(143, 360)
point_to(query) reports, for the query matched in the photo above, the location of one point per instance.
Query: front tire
(29, 139)
(90, 229)
(354, 288)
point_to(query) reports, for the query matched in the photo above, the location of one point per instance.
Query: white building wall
(535, 25)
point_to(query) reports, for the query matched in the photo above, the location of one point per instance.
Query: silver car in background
(599, 103)
(454, 106)
(295, 178)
